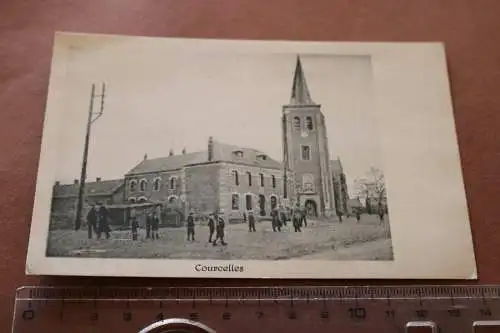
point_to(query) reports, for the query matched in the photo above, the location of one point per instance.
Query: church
(306, 153)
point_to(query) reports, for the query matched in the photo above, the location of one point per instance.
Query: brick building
(65, 197)
(223, 176)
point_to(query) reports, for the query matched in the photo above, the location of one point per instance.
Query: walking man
(251, 222)
(190, 227)
(283, 216)
(303, 217)
(149, 223)
(275, 220)
(297, 220)
(339, 215)
(219, 230)
(211, 226)
(155, 225)
(103, 216)
(381, 212)
(92, 220)
(135, 227)
(358, 214)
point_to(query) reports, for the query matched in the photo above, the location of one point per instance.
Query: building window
(248, 201)
(274, 202)
(142, 199)
(249, 175)
(133, 185)
(143, 185)
(156, 184)
(235, 202)
(173, 183)
(307, 183)
(306, 153)
(273, 180)
(172, 199)
(236, 178)
(131, 200)
(309, 123)
(261, 176)
(238, 153)
(296, 123)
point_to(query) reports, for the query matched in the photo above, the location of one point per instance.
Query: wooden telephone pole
(92, 117)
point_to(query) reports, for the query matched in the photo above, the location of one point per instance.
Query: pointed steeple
(300, 92)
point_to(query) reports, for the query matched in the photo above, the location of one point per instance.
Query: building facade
(305, 148)
(234, 179)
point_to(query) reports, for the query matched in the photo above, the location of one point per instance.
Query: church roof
(222, 153)
(336, 166)
(300, 92)
(97, 188)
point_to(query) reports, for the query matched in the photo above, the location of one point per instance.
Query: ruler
(371, 309)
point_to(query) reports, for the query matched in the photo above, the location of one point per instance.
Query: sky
(160, 98)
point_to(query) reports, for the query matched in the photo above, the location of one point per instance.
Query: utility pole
(92, 117)
(285, 158)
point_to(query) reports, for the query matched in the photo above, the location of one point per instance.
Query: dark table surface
(469, 29)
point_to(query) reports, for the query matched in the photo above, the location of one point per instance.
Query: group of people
(152, 226)
(216, 225)
(279, 219)
(97, 220)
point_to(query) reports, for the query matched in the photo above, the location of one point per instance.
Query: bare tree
(371, 186)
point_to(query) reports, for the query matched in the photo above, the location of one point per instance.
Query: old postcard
(167, 157)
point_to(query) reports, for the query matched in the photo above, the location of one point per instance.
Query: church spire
(300, 92)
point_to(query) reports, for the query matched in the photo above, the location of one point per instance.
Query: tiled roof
(102, 187)
(222, 153)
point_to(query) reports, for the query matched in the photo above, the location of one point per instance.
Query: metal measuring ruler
(412, 309)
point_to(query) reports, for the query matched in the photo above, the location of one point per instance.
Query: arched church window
(306, 153)
(296, 123)
(273, 180)
(309, 123)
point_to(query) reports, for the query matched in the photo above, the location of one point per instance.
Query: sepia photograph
(218, 158)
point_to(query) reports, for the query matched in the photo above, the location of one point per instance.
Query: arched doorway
(262, 204)
(311, 208)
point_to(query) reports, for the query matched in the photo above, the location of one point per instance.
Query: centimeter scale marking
(258, 309)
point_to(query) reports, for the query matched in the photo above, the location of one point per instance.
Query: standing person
(211, 226)
(155, 225)
(381, 212)
(92, 220)
(358, 214)
(303, 217)
(339, 215)
(190, 226)
(149, 223)
(297, 220)
(103, 216)
(275, 220)
(283, 216)
(244, 217)
(219, 229)
(135, 228)
(251, 222)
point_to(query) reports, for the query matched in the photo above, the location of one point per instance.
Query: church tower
(305, 148)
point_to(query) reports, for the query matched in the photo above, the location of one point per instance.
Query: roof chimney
(57, 183)
(210, 149)
(184, 151)
(98, 179)
(145, 156)
(75, 181)
(171, 152)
